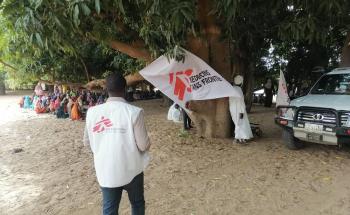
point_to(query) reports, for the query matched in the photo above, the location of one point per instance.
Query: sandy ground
(54, 174)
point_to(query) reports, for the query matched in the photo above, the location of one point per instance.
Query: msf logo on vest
(181, 83)
(102, 125)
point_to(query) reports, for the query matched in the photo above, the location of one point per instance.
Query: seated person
(27, 103)
(61, 112)
(21, 102)
(52, 106)
(39, 108)
(57, 103)
(75, 114)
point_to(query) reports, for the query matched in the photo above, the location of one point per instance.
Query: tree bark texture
(2, 86)
(2, 79)
(212, 117)
(242, 66)
(345, 55)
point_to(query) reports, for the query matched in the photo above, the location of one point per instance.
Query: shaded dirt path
(188, 175)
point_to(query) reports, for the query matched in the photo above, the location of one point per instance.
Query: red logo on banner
(182, 83)
(101, 125)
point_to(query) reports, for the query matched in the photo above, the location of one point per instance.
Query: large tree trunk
(249, 86)
(345, 56)
(244, 67)
(2, 78)
(2, 86)
(212, 117)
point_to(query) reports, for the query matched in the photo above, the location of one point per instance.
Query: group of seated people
(71, 104)
(74, 104)
(136, 94)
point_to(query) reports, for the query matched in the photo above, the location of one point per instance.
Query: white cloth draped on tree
(243, 130)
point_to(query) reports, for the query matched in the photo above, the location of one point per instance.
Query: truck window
(333, 84)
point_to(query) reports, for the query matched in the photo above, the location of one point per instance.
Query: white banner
(282, 94)
(191, 79)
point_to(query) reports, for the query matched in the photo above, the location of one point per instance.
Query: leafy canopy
(54, 37)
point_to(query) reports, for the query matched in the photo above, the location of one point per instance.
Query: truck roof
(343, 70)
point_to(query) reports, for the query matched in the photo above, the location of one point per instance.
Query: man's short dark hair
(115, 83)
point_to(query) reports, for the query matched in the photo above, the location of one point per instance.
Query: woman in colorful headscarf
(27, 103)
(39, 108)
(35, 101)
(57, 103)
(61, 112)
(52, 105)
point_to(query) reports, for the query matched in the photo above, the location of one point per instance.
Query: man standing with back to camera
(119, 142)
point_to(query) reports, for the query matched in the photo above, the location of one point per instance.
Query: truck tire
(290, 141)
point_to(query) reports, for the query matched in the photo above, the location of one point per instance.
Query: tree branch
(133, 79)
(7, 65)
(85, 69)
(134, 50)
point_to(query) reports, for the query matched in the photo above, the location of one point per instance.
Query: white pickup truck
(322, 116)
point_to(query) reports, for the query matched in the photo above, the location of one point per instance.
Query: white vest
(111, 135)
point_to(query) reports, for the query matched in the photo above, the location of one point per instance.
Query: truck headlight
(286, 113)
(345, 120)
(347, 124)
(289, 114)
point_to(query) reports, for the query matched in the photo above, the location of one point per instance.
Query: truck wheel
(291, 142)
(259, 132)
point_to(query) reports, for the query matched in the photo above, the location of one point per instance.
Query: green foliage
(54, 39)
(52, 24)
(304, 34)
(293, 20)
(315, 21)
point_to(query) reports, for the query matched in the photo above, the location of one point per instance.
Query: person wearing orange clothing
(52, 106)
(75, 115)
(39, 108)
